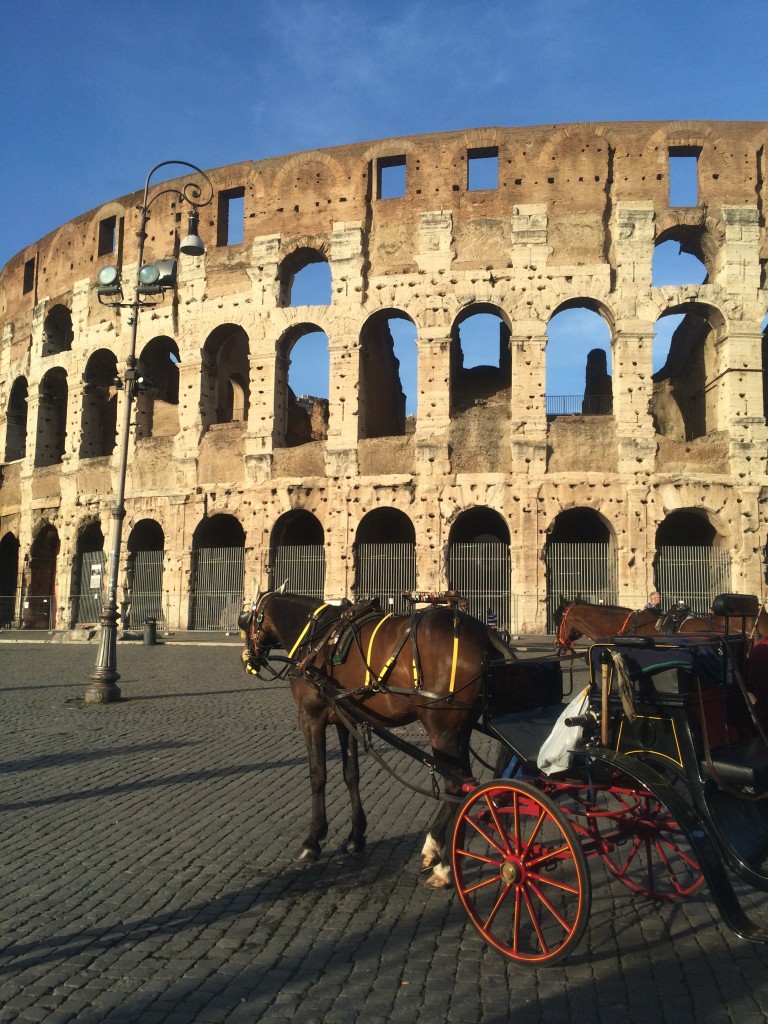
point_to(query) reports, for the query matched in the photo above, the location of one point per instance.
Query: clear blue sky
(92, 95)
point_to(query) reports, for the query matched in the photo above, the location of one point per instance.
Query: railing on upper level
(578, 405)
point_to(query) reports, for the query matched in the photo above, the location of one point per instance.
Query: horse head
(567, 632)
(259, 638)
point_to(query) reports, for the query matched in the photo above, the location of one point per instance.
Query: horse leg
(454, 752)
(355, 842)
(313, 729)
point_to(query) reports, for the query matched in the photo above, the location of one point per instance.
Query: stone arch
(385, 558)
(39, 606)
(473, 381)
(98, 421)
(57, 330)
(216, 579)
(584, 331)
(478, 563)
(141, 587)
(315, 170)
(88, 572)
(682, 402)
(297, 553)
(16, 421)
(50, 442)
(224, 360)
(691, 561)
(157, 400)
(301, 418)
(382, 401)
(303, 260)
(9, 578)
(581, 559)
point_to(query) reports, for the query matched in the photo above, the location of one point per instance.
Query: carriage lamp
(151, 283)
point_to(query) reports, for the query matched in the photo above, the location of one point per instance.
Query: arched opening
(479, 564)
(684, 406)
(57, 331)
(578, 376)
(141, 596)
(305, 279)
(52, 418)
(581, 560)
(481, 364)
(157, 398)
(216, 583)
(385, 559)
(87, 590)
(225, 359)
(16, 425)
(302, 387)
(98, 423)
(388, 364)
(297, 554)
(38, 610)
(692, 562)
(678, 259)
(9, 579)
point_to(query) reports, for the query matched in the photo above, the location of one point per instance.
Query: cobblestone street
(147, 876)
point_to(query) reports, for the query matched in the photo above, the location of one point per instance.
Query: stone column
(632, 390)
(528, 419)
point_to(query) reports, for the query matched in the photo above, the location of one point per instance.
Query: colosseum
(639, 472)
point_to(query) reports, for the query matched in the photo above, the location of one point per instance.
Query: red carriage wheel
(521, 872)
(636, 836)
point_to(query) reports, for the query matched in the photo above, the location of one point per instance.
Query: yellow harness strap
(454, 662)
(368, 674)
(310, 621)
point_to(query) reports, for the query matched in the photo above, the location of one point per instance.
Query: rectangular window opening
(231, 219)
(390, 176)
(107, 236)
(29, 276)
(684, 176)
(482, 169)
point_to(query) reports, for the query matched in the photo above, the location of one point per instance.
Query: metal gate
(694, 574)
(218, 589)
(302, 566)
(87, 601)
(147, 589)
(588, 571)
(385, 571)
(482, 572)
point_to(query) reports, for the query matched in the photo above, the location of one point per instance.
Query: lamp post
(152, 280)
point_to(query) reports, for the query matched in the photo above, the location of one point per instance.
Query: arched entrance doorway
(385, 559)
(9, 576)
(142, 596)
(691, 563)
(38, 609)
(216, 588)
(88, 575)
(479, 564)
(297, 554)
(581, 561)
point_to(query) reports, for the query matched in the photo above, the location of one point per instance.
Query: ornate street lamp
(152, 281)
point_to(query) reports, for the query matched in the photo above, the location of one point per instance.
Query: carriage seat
(743, 764)
(525, 731)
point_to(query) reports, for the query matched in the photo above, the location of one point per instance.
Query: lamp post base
(105, 692)
(105, 674)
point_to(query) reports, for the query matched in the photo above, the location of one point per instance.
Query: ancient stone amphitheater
(630, 478)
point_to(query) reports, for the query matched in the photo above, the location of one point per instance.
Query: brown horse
(387, 670)
(575, 619)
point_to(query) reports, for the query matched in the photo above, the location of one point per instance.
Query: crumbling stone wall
(574, 219)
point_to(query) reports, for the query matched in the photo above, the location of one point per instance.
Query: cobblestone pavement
(147, 876)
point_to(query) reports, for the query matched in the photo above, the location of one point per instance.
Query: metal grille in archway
(302, 566)
(587, 571)
(694, 574)
(147, 589)
(218, 596)
(89, 599)
(385, 571)
(482, 572)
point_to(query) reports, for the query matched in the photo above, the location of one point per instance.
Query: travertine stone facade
(573, 220)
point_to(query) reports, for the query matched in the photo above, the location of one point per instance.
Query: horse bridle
(260, 648)
(563, 643)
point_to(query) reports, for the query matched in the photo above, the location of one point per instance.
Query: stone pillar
(343, 399)
(632, 390)
(528, 414)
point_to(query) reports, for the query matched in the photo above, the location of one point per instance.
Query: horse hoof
(429, 860)
(306, 856)
(352, 847)
(436, 881)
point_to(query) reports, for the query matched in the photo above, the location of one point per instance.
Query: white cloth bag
(555, 754)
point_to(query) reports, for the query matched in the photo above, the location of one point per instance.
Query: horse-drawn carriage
(659, 768)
